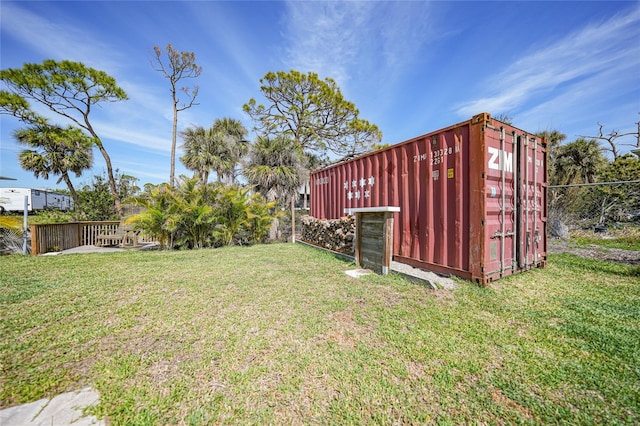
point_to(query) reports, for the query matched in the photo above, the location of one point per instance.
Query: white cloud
(342, 39)
(596, 53)
(604, 86)
(59, 40)
(326, 37)
(56, 39)
(147, 106)
(405, 28)
(106, 130)
(147, 172)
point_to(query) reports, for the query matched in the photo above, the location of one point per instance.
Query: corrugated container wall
(472, 198)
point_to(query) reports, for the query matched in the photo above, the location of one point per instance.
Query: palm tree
(578, 161)
(231, 146)
(199, 154)
(193, 214)
(259, 217)
(276, 169)
(219, 148)
(157, 219)
(554, 139)
(56, 151)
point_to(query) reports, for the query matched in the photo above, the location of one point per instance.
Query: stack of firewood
(334, 234)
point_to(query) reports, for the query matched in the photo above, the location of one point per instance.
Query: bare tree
(611, 139)
(503, 117)
(179, 65)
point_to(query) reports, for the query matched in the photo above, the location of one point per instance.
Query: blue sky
(410, 67)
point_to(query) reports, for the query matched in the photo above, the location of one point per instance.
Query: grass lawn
(626, 238)
(278, 334)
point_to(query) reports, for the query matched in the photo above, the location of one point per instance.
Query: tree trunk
(205, 177)
(74, 195)
(275, 223)
(614, 149)
(306, 207)
(174, 132)
(112, 181)
(273, 231)
(606, 206)
(293, 219)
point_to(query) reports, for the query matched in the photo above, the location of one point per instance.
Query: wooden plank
(372, 252)
(358, 240)
(34, 240)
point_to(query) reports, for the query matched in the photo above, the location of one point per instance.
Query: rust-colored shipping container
(472, 198)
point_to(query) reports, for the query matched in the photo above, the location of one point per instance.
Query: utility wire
(593, 184)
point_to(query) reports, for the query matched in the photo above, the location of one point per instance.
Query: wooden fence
(62, 236)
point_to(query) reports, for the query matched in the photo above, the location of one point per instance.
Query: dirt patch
(592, 251)
(345, 329)
(500, 398)
(163, 370)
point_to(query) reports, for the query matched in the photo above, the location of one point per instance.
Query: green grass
(278, 334)
(626, 238)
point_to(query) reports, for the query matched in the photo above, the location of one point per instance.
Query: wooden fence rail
(62, 236)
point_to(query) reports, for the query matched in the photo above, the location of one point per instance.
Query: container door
(520, 203)
(500, 201)
(514, 201)
(531, 200)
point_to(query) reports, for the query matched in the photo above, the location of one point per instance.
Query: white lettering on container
(352, 187)
(419, 157)
(500, 160)
(437, 156)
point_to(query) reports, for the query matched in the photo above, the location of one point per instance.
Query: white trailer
(12, 199)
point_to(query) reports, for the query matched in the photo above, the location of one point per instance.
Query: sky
(410, 67)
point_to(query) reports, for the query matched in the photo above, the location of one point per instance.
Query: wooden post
(34, 239)
(387, 236)
(25, 225)
(357, 242)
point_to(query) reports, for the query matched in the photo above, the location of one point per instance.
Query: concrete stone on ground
(357, 273)
(62, 410)
(432, 279)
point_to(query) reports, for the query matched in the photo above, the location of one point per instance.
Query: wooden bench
(120, 237)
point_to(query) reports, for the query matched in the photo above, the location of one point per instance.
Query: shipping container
(472, 198)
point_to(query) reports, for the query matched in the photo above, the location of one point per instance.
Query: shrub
(193, 215)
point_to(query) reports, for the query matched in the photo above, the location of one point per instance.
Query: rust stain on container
(472, 198)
